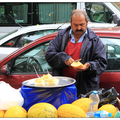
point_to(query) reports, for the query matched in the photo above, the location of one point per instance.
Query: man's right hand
(69, 61)
(86, 67)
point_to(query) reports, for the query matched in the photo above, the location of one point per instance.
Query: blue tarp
(55, 96)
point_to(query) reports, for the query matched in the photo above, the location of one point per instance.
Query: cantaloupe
(109, 108)
(16, 112)
(77, 65)
(42, 110)
(83, 103)
(70, 111)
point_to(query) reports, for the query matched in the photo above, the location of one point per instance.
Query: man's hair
(78, 12)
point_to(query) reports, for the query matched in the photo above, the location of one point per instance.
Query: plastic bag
(107, 96)
(9, 96)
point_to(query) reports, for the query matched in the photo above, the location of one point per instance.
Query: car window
(35, 57)
(98, 13)
(31, 36)
(23, 40)
(53, 12)
(12, 42)
(112, 48)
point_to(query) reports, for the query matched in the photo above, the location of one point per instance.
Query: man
(78, 41)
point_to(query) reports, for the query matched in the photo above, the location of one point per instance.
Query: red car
(18, 66)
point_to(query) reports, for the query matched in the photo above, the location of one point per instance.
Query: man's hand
(69, 61)
(86, 67)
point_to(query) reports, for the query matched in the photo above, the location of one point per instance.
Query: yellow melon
(77, 65)
(46, 77)
(39, 82)
(2, 112)
(70, 111)
(109, 108)
(42, 110)
(83, 103)
(16, 112)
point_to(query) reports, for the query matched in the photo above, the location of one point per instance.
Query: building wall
(117, 3)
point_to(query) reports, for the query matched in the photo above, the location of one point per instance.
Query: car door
(111, 76)
(22, 66)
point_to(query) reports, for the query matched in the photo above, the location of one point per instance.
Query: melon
(39, 82)
(46, 77)
(70, 111)
(2, 112)
(77, 65)
(83, 103)
(16, 112)
(109, 108)
(42, 110)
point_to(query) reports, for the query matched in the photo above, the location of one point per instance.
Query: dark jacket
(92, 51)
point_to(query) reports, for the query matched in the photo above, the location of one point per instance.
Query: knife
(77, 60)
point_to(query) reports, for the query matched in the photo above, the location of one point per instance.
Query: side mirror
(5, 70)
(118, 22)
(114, 18)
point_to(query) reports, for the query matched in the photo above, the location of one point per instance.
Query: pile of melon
(77, 109)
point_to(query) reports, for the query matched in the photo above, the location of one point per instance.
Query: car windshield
(8, 34)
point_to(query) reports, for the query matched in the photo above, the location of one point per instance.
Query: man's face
(78, 24)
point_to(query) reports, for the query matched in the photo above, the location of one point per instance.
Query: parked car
(18, 66)
(20, 37)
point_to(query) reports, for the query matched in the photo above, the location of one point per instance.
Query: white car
(25, 35)
(22, 36)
